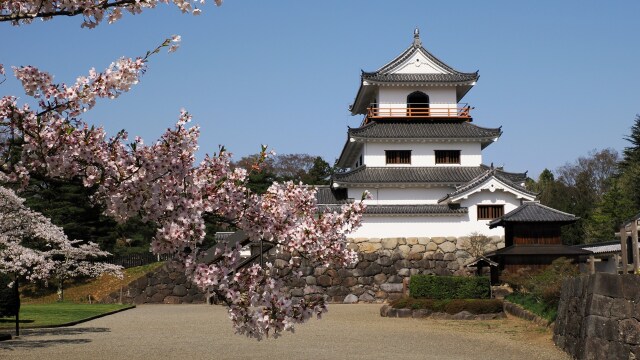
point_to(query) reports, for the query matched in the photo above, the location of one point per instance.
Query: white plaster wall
(422, 154)
(420, 226)
(419, 64)
(487, 197)
(430, 226)
(440, 97)
(406, 196)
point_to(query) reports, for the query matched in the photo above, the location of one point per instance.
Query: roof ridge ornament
(416, 38)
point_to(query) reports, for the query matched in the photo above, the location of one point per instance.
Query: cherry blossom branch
(93, 11)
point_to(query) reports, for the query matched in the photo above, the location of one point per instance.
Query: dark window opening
(398, 156)
(490, 212)
(447, 156)
(418, 99)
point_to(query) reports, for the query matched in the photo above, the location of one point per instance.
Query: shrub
(449, 287)
(452, 306)
(543, 286)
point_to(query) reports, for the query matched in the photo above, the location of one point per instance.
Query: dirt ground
(346, 332)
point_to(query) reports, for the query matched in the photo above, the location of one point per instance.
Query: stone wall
(383, 267)
(166, 285)
(381, 273)
(598, 317)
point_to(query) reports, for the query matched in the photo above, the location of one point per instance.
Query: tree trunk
(16, 286)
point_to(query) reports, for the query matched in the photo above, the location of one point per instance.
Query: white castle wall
(398, 196)
(422, 154)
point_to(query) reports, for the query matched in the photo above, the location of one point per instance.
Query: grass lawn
(33, 315)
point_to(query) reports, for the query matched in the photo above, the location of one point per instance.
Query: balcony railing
(459, 112)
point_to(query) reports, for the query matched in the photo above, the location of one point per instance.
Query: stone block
(310, 280)
(366, 297)
(370, 256)
(438, 240)
(418, 248)
(357, 272)
(389, 288)
(352, 246)
(630, 331)
(379, 278)
(394, 296)
(464, 315)
(402, 241)
(360, 240)
(156, 298)
(350, 299)
(319, 271)
(384, 310)
(405, 313)
(404, 250)
(412, 241)
(365, 280)
(179, 290)
(449, 257)
(363, 265)
(368, 247)
(323, 280)
(420, 313)
(622, 308)
(404, 272)
(607, 285)
(384, 261)
(375, 240)
(601, 305)
(172, 300)
(415, 256)
(312, 289)
(372, 270)
(431, 246)
(389, 243)
(394, 279)
(349, 281)
(447, 247)
(357, 290)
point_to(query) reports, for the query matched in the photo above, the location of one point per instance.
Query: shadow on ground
(29, 337)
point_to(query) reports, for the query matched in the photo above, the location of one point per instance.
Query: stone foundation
(166, 285)
(384, 267)
(381, 273)
(599, 317)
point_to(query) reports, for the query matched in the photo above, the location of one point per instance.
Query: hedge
(449, 287)
(452, 306)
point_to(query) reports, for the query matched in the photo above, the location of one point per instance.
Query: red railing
(462, 112)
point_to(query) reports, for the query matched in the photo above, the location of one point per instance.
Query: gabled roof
(410, 210)
(390, 73)
(414, 131)
(532, 211)
(449, 175)
(508, 180)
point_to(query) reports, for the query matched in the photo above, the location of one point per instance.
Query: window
(447, 156)
(490, 212)
(398, 156)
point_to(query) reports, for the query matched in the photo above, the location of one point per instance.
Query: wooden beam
(592, 264)
(623, 249)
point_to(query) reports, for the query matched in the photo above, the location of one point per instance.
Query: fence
(132, 260)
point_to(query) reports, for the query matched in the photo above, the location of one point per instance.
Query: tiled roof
(506, 178)
(328, 195)
(609, 247)
(399, 129)
(412, 78)
(559, 250)
(416, 46)
(416, 175)
(427, 210)
(534, 212)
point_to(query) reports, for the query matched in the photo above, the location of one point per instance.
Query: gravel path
(346, 332)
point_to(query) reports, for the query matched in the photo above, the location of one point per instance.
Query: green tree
(630, 165)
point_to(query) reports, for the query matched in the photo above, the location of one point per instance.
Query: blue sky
(560, 77)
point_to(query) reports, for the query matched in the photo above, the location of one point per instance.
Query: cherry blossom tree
(74, 258)
(93, 11)
(163, 184)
